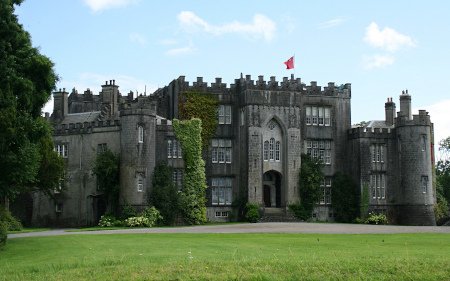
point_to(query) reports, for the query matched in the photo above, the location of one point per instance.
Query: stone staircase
(277, 215)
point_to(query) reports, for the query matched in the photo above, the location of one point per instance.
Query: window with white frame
(325, 188)
(223, 214)
(140, 182)
(272, 150)
(224, 114)
(319, 149)
(424, 180)
(60, 186)
(318, 115)
(62, 150)
(177, 178)
(221, 151)
(140, 134)
(221, 191)
(174, 149)
(378, 185)
(378, 151)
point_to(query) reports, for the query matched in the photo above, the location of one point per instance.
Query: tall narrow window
(383, 186)
(424, 184)
(224, 114)
(140, 134)
(277, 151)
(140, 182)
(314, 115)
(424, 143)
(266, 150)
(308, 115)
(221, 114)
(228, 114)
(169, 148)
(180, 153)
(320, 109)
(174, 149)
(327, 116)
(221, 191)
(271, 148)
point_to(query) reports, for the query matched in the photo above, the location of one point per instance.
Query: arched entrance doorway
(272, 189)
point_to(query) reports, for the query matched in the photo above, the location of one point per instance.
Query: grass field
(227, 257)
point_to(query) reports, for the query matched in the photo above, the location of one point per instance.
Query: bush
(11, 223)
(251, 212)
(374, 218)
(152, 214)
(108, 221)
(127, 212)
(137, 222)
(300, 212)
(3, 233)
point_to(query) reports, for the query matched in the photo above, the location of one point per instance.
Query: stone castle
(255, 155)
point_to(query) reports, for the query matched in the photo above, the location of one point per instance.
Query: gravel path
(272, 227)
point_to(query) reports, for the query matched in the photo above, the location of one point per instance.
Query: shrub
(3, 233)
(11, 223)
(152, 214)
(127, 212)
(300, 212)
(374, 218)
(108, 221)
(137, 222)
(251, 212)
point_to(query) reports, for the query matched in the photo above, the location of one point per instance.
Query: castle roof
(81, 117)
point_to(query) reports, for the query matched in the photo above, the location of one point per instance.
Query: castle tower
(415, 200)
(137, 147)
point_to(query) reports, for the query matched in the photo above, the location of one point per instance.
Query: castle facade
(263, 129)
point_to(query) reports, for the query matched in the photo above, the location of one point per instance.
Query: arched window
(271, 148)
(140, 134)
(266, 150)
(277, 151)
(169, 148)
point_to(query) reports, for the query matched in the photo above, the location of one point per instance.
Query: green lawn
(29, 229)
(227, 256)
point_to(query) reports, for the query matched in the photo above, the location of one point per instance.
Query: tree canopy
(107, 170)
(26, 81)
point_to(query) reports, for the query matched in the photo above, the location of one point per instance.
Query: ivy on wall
(192, 197)
(345, 198)
(203, 106)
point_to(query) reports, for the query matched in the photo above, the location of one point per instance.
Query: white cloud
(261, 27)
(138, 38)
(98, 5)
(181, 51)
(331, 23)
(377, 61)
(387, 39)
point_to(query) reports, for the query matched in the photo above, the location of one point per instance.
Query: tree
(311, 176)
(164, 194)
(26, 81)
(344, 197)
(107, 169)
(443, 181)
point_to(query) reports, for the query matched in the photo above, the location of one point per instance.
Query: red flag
(289, 63)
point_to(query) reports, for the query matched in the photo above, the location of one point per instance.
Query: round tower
(416, 195)
(137, 147)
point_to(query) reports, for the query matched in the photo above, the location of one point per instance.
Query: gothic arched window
(271, 148)
(277, 151)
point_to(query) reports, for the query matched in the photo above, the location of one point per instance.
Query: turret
(389, 108)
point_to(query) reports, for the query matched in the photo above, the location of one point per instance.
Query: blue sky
(380, 47)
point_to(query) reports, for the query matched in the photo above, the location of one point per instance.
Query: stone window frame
(378, 186)
(140, 133)
(62, 149)
(319, 148)
(59, 207)
(325, 187)
(177, 178)
(377, 151)
(174, 149)
(224, 114)
(221, 151)
(221, 191)
(318, 115)
(140, 178)
(424, 184)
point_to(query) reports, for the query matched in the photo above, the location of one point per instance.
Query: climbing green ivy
(202, 106)
(192, 197)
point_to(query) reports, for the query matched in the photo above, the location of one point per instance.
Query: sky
(380, 47)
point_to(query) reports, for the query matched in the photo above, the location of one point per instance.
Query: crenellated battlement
(84, 127)
(291, 84)
(370, 132)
